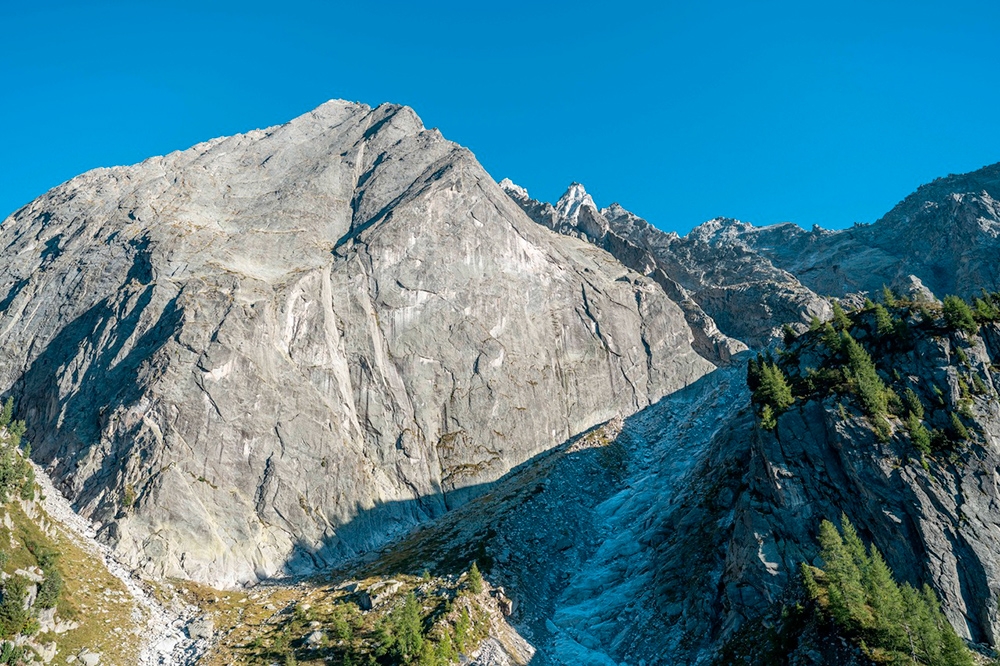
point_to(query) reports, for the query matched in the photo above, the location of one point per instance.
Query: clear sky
(813, 112)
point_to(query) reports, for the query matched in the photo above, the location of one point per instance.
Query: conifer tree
(475, 579)
(462, 627)
(853, 545)
(985, 310)
(958, 315)
(788, 335)
(846, 592)
(871, 388)
(774, 389)
(841, 321)
(914, 404)
(753, 373)
(403, 639)
(919, 435)
(888, 297)
(958, 428)
(883, 321)
(446, 652)
(7, 413)
(768, 421)
(831, 338)
(886, 601)
(898, 624)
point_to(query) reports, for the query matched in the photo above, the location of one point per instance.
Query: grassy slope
(91, 596)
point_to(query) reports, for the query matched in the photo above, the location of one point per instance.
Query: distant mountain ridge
(749, 279)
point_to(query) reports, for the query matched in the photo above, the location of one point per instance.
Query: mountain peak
(575, 197)
(514, 190)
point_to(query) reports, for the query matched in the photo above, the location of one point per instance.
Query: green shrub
(11, 653)
(882, 427)
(49, 589)
(961, 356)
(895, 402)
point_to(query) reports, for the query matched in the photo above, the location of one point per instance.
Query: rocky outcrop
(276, 350)
(935, 521)
(947, 234)
(575, 214)
(732, 296)
(747, 281)
(936, 524)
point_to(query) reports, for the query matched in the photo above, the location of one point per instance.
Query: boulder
(88, 658)
(202, 627)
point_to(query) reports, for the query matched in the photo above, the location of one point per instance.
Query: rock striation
(732, 296)
(280, 349)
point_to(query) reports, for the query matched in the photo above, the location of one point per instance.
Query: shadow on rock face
(571, 535)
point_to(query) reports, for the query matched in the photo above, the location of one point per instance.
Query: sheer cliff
(275, 350)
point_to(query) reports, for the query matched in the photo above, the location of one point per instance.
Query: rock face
(747, 530)
(576, 215)
(947, 234)
(937, 525)
(731, 295)
(279, 349)
(747, 281)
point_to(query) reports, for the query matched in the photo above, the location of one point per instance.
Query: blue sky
(813, 112)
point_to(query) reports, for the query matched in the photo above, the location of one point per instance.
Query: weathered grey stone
(947, 234)
(506, 605)
(46, 620)
(280, 349)
(202, 627)
(350, 586)
(729, 298)
(378, 594)
(45, 651)
(738, 533)
(88, 658)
